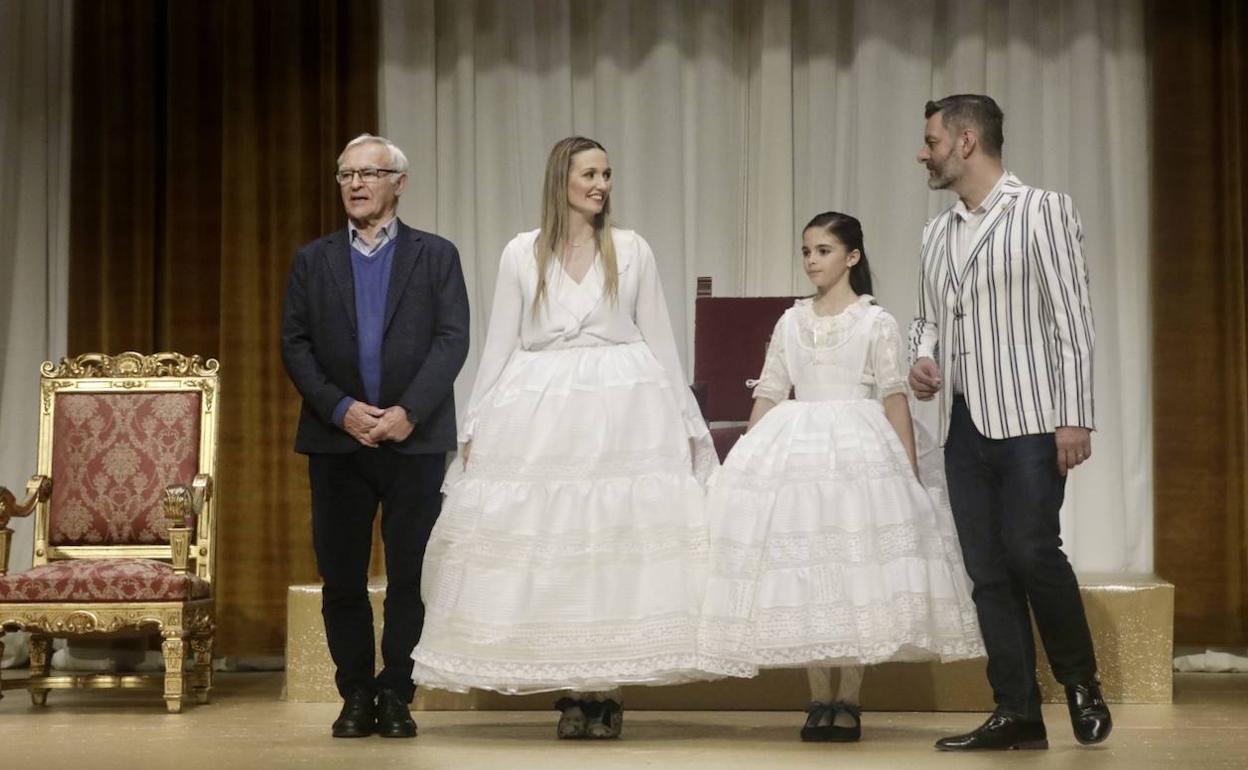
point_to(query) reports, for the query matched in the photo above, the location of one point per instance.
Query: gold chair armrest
(182, 504)
(38, 490)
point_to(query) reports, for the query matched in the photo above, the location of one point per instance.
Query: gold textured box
(1132, 622)
(1131, 616)
(310, 671)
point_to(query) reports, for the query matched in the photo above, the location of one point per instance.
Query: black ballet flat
(814, 731)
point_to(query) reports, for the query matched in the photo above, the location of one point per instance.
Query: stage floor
(248, 726)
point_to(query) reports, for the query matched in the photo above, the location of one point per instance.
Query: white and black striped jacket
(1016, 318)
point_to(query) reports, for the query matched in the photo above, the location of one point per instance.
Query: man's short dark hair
(976, 111)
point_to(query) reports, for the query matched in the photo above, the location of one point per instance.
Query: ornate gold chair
(124, 518)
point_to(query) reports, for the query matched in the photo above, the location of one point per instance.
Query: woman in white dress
(571, 549)
(826, 551)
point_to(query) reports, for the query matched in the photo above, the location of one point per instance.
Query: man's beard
(940, 179)
(942, 175)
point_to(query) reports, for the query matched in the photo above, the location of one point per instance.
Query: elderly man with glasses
(374, 332)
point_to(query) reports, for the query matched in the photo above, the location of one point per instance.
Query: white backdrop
(729, 124)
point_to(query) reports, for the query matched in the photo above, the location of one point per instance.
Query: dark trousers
(346, 491)
(1006, 495)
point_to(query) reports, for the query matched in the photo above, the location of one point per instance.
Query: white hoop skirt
(825, 550)
(571, 554)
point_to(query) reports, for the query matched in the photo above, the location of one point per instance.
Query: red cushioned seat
(102, 580)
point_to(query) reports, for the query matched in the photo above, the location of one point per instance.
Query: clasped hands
(371, 425)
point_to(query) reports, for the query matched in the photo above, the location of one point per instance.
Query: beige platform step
(1132, 619)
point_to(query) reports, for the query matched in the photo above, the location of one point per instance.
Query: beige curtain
(34, 194)
(35, 57)
(731, 123)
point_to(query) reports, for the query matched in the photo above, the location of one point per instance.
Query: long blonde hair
(555, 216)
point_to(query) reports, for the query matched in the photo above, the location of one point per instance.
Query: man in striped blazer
(1003, 339)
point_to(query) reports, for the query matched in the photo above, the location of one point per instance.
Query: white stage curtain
(730, 124)
(34, 227)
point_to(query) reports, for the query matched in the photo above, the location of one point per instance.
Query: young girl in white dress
(570, 553)
(826, 551)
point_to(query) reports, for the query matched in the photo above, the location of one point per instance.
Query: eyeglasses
(367, 175)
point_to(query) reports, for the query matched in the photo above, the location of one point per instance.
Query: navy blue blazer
(424, 344)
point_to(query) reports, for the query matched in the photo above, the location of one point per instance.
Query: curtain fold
(204, 134)
(35, 56)
(204, 141)
(730, 124)
(1200, 333)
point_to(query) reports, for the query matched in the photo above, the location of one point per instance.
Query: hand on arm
(925, 379)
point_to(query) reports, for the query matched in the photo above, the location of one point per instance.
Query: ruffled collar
(822, 331)
(851, 313)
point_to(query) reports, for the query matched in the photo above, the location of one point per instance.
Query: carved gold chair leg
(201, 676)
(40, 667)
(174, 650)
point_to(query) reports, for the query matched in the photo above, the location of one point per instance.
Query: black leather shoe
(358, 716)
(394, 718)
(1000, 733)
(1089, 715)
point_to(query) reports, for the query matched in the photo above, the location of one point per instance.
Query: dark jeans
(346, 490)
(1006, 495)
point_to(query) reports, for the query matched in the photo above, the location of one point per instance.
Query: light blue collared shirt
(386, 234)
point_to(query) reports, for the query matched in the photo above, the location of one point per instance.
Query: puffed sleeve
(774, 383)
(888, 357)
(650, 315)
(502, 337)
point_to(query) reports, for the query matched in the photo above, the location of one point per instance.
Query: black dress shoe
(1000, 733)
(394, 718)
(1089, 715)
(358, 716)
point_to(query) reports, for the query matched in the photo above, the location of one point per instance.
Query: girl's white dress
(825, 549)
(571, 551)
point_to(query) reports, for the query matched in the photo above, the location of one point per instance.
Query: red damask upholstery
(101, 580)
(112, 457)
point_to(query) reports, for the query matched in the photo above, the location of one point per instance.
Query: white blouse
(885, 370)
(578, 315)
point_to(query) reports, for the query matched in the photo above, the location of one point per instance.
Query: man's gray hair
(398, 161)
